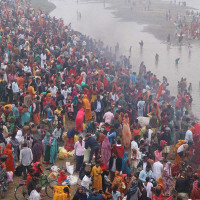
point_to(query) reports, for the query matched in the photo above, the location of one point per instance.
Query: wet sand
(154, 18)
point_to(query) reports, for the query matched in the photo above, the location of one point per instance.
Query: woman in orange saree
(10, 160)
(87, 108)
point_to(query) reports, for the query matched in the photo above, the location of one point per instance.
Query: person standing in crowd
(79, 152)
(96, 174)
(115, 164)
(35, 194)
(50, 72)
(10, 160)
(99, 108)
(25, 158)
(94, 146)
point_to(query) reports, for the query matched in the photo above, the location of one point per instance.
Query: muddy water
(98, 21)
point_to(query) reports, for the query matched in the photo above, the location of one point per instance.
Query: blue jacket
(112, 137)
(93, 197)
(91, 142)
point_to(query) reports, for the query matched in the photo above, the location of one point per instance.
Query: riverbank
(45, 5)
(152, 15)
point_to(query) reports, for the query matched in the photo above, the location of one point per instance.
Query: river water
(98, 21)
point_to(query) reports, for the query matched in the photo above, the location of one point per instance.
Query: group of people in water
(130, 138)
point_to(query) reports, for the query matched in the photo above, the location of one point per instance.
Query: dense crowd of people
(144, 142)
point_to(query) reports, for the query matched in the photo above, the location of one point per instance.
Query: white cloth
(157, 170)
(134, 145)
(27, 69)
(34, 195)
(148, 189)
(86, 182)
(181, 148)
(26, 156)
(98, 106)
(188, 136)
(57, 133)
(15, 87)
(53, 90)
(43, 59)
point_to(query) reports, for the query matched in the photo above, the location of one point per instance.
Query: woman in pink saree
(80, 119)
(106, 151)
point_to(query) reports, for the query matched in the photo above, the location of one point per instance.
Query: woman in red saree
(10, 160)
(80, 120)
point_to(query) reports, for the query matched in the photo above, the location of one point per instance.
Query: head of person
(38, 188)
(136, 138)
(119, 142)
(25, 145)
(36, 176)
(95, 191)
(97, 164)
(114, 154)
(148, 167)
(145, 158)
(66, 190)
(80, 139)
(87, 173)
(157, 192)
(115, 188)
(31, 172)
(63, 172)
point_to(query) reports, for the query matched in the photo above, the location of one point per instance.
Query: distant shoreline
(154, 18)
(44, 5)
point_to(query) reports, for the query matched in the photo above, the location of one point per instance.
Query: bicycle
(21, 191)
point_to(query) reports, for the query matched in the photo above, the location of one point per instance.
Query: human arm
(142, 176)
(31, 156)
(20, 157)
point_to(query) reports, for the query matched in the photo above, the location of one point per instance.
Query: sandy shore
(154, 18)
(43, 4)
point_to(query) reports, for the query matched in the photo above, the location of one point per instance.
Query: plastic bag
(143, 121)
(10, 177)
(67, 164)
(70, 169)
(86, 155)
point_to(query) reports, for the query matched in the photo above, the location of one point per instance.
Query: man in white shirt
(53, 90)
(135, 153)
(65, 92)
(35, 194)
(15, 90)
(57, 132)
(86, 182)
(79, 151)
(27, 69)
(157, 169)
(26, 158)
